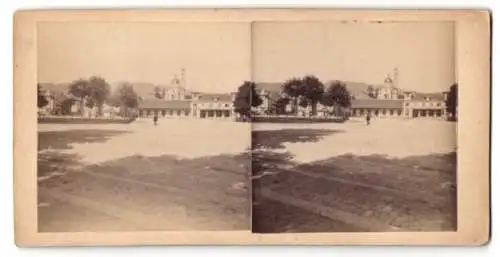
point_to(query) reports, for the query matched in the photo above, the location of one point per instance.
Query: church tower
(388, 82)
(183, 78)
(395, 77)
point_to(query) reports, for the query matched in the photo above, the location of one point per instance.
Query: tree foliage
(159, 92)
(80, 88)
(371, 91)
(92, 92)
(452, 101)
(42, 101)
(246, 98)
(337, 95)
(124, 97)
(90, 103)
(312, 91)
(304, 92)
(279, 106)
(293, 88)
(100, 90)
(63, 103)
(303, 102)
(127, 95)
(65, 106)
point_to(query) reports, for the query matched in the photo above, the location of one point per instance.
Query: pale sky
(363, 52)
(216, 56)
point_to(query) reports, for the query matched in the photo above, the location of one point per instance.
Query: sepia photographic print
(357, 127)
(136, 127)
(251, 127)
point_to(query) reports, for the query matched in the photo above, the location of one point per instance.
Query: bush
(294, 119)
(82, 120)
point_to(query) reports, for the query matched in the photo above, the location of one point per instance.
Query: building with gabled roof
(193, 105)
(386, 100)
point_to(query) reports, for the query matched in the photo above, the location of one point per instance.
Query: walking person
(155, 119)
(368, 117)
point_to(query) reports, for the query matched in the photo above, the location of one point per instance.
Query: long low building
(377, 107)
(415, 105)
(164, 108)
(197, 105)
(397, 108)
(384, 101)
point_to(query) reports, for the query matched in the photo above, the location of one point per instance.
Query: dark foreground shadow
(54, 162)
(349, 193)
(274, 139)
(51, 160)
(142, 193)
(283, 119)
(62, 139)
(83, 120)
(265, 141)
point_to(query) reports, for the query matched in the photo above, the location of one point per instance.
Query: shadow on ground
(416, 193)
(149, 194)
(52, 161)
(213, 190)
(63, 139)
(264, 141)
(275, 138)
(57, 163)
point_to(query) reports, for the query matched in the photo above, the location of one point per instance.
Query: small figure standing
(155, 119)
(368, 117)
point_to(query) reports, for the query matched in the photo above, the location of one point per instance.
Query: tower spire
(395, 77)
(183, 78)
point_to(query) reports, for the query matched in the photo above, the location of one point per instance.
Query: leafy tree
(293, 88)
(90, 103)
(159, 92)
(65, 106)
(100, 91)
(58, 98)
(81, 89)
(42, 101)
(246, 98)
(256, 100)
(337, 96)
(312, 91)
(371, 91)
(452, 101)
(63, 103)
(127, 97)
(114, 100)
(279, 106)
(303, 102)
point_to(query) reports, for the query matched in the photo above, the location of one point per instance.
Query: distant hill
(144, 90)
(356, 88)
(55, 87)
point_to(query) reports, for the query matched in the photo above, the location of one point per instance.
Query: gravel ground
(392, 175)
(179, 175)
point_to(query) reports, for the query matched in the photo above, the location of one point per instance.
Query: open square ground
(179, 175)
(392, 175)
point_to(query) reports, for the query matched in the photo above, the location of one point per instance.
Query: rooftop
(359, 89)
(164, 104)
(377, 103)
(430, 96)
(209, 97)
